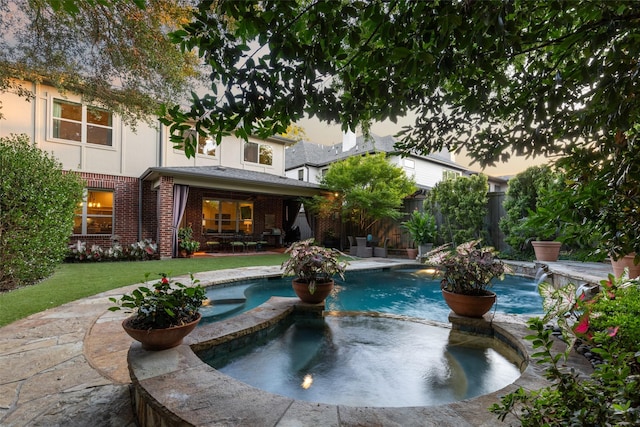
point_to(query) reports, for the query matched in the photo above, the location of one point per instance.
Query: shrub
(462, 202)
(37, 201)
(608, 324)
(521, 198)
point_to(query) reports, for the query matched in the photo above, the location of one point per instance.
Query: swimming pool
(404, 291)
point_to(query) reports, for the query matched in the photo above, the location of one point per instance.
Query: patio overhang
(231, 179)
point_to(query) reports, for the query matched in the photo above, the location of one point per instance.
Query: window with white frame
(449, 174)
(76, 122)
(206, 146)
(258, 153)
(300, 174)
(94, 215)
(409, 163)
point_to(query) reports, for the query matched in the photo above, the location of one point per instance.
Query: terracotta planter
(469, 305)
(160, 339)
(412, 253)
(626, 261)
(546, 251)
(302, 291)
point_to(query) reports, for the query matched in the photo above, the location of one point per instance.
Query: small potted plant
(186, 242)
(467, 273)
(422, 228)
(164, 312)
(314, 268)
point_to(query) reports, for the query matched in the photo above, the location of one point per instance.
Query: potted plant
(164, 313)
(467, 273)
(422, 229)
(544, 228)
(187, 245)
(314, 268)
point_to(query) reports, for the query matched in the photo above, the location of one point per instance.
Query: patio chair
(363, 251)
(353, 246)
(381, 251)
(237, 245)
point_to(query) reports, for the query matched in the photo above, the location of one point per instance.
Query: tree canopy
(494, 76)
(115, 53)
(367, 189)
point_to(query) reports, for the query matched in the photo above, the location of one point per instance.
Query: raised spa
(366, 360)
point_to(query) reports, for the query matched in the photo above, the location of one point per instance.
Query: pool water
(407, 292)
(366, 360)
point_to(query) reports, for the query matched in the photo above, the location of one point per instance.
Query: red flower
(165, 281)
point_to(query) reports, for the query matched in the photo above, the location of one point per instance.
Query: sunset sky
(323, 133)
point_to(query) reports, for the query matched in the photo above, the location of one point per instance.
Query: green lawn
(74, 281)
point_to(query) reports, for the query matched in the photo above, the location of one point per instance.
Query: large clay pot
(302, 291)
(160, 339)
(545, 250)
(469, 305)
(412, 253)
(626, 261)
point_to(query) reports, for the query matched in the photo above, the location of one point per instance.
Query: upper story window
(449, 174)
(258, 153)
(206, 146)
(409, 163)
(94, 215)
(82, 123)
(300, 174)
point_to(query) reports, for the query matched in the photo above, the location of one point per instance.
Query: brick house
(135, 178)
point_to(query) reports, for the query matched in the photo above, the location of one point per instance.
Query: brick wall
(125, 215)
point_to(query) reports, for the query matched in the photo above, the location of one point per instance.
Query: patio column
(165, 217)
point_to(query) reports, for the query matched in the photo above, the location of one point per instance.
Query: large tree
(493, 76)
(489, 75)
(115, 53)
(367, 189)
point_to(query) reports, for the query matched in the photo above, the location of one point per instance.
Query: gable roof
(318, 155)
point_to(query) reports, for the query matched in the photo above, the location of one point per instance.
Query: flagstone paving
(67, 366)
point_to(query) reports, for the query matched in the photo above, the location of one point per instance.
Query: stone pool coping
(175, 387)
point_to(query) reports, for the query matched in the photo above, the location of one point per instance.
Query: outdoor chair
(381, 251)
(363, 251)
(353, 246)
(237, 245)
(213, 246)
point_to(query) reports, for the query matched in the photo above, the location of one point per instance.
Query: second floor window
(82, 123)
(300, 174)
(449, 174)
(258, 153)
(206, 146)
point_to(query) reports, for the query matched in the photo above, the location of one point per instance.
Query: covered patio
(229, 210)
